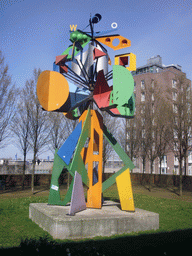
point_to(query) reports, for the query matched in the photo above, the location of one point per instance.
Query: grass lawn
(15, 224)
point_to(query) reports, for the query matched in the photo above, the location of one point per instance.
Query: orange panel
(94, 192)
(52, 90)
(108, 40)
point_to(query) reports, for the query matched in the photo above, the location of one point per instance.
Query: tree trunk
(24, 167)
(33, 173)
(180, 178)
(160, 171)
(185, 165)
(143, 170)
(150, 177)
(160, 166)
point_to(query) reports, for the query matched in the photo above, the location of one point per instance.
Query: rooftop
(154, 65)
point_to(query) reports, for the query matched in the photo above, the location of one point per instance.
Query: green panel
(126, 160)
(122, 82)
(118, 149)
(129, 108)
(110, 181)
(54, 193)
(67, 198)
(79, 166)
(76, 50)
(77, 163)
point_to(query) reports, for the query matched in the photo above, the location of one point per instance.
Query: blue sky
(34, 32)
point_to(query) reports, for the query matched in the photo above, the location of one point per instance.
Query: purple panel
(77, 199)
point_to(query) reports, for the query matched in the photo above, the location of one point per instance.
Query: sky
(34, 32)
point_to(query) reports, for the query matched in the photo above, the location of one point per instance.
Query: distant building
(16, 167)
(165, 76)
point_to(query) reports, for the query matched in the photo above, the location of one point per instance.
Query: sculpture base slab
(107, 221)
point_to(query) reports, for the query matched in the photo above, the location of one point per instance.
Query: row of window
(174, 83)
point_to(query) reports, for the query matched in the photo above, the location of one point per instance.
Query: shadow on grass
(26, 189)
(163, 243)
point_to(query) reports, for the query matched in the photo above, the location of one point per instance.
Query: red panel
(115, 111)
(63, 69)
(123, 61)
(102, 91)
(97, 53)
(101, 84)
(60, 58)
(102, 100)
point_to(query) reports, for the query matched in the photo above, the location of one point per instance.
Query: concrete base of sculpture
(108, 221)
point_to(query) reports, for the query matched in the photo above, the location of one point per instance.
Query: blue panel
(55, 67)
(67, 149)
(97, 34)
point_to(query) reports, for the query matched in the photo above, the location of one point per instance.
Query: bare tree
(39, 128)
(112, 125)
(59, 129)
(153, 124)
(7, 101)
(21, 128)
(181, 122)
(163, 128)
(129, 137)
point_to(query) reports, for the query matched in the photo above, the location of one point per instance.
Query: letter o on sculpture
(114, 25)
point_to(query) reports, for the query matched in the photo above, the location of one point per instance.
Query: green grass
(15, 224)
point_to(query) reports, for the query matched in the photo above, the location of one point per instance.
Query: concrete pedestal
(108, 221)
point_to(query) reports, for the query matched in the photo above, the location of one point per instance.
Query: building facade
(155, 73)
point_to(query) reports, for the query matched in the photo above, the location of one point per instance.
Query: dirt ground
(169, 192)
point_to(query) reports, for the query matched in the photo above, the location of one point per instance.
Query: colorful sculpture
(88, 70)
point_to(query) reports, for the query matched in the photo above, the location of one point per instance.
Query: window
(174, 83)
(176, 162)
(165, 160)
(176, 120)
(164, 170)
(142, 96)
(142, 84)
(152, 84)
(151, 69)
(152, 96)
(175, 146)
(189, 169)
(190, 156)
(153, 108)
(174, 95)
(143, 110)
(175, 108)
(143, 134)
(175, 134)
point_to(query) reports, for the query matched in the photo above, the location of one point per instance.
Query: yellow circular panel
(52, 90)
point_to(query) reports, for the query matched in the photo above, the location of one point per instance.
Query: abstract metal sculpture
(88, 70)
